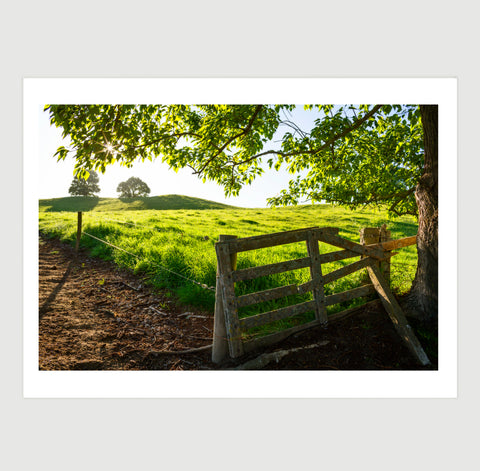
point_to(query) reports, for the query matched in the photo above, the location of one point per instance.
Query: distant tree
(133, 188)
(85, 186)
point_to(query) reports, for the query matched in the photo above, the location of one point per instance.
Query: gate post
(374, 235)
(385, 236)
(220, 343)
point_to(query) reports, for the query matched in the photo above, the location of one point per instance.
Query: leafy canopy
(87, 186)
(133, 188)
(353, 155)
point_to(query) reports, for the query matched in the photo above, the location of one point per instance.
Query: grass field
(182, 241)
(123, 204)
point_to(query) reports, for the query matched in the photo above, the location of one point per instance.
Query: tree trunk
(422, 302)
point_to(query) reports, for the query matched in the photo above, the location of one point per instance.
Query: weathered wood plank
(267, 295)
(345, 254)
(344, 271)
(220, 343)
(226, 282)
(337, 241)
(262, 360)
(337, 256)
(369, 236)
(305, 287)
(255, 344)
(396, 315)
(395, 244)
(349, 295)
(317, 279)
(276, 315)
(385, 266)
(271, 240)
(271, 269)
(274, 293)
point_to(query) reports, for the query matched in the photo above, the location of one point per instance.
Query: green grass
(94, 203)
(183, 241)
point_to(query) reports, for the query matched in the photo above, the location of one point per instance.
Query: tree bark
(422, 302)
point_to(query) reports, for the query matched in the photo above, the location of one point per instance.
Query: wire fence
(58, 227)
(202, 285)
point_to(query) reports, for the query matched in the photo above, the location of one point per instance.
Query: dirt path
(94, 316)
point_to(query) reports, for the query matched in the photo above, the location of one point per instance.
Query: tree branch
(379, 199)
(292, 125)
(327, 144)
(354, 126)
(247, 129)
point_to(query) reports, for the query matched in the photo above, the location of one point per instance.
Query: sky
(55, 177)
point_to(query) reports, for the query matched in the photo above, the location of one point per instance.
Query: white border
(256, 384)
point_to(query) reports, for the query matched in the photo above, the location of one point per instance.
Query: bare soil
(96, 316)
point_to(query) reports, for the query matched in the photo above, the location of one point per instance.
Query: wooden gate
(229, 327)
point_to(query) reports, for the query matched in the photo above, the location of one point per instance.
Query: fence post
(79, 230)
(385, 236)
(368, 235)
(220, 343)
(317, 279)
(374, 235)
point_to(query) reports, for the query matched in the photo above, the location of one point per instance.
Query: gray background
(239, 39)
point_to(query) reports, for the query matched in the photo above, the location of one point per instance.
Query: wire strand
(202, 285)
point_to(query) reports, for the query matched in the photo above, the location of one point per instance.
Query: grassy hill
(79, 203)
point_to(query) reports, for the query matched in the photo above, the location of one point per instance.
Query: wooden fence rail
(229, 329)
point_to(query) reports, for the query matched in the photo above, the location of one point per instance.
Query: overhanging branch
(324, 146)
(244, 131)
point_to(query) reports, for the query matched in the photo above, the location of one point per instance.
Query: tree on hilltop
(85, 186)
(353, 156)
(133, 188)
